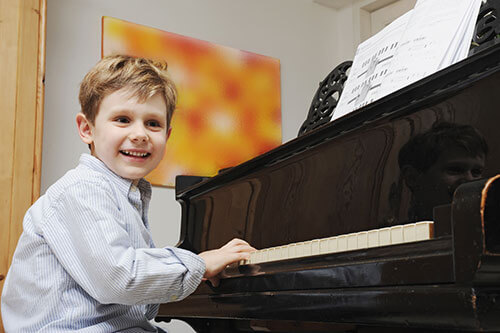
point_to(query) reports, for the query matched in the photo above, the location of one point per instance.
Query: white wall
(302, 34)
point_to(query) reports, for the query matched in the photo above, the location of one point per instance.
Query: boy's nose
(138, 134)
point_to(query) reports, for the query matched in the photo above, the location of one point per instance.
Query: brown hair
(144, 77)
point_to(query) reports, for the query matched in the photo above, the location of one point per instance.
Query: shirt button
(133, 188)
(173, 298)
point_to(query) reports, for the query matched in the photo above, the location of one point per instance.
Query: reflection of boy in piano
(434, 163)
(86, 260)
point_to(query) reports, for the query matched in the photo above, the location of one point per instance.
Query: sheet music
(370, 66)
(431, 39)
(432, 36)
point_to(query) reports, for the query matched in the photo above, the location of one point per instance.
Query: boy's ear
(169, 131)
(85, 128)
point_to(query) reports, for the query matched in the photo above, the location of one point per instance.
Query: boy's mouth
(135, 153)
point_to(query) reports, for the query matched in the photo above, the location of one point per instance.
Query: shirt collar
(123, 184)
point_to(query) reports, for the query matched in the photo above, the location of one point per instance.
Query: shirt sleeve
(90, 241)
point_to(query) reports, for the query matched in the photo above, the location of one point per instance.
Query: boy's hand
(217, 260)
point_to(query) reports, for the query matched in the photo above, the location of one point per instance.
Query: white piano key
(307, 248)
(396, 234)
(384, 236)
(333, 244)
(277, 253)
(292, 251)
(251, 260)
(283, 252)
(373, 238)
(342, 243)
(362, 240)
(264, 255)
(272, 254)
(255, 257)
(323, 245)
(315, 247)
(352, 241)
(424, 230)
(409, 234)
(300, 250)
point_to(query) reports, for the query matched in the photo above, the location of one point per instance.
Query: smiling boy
(86, 260)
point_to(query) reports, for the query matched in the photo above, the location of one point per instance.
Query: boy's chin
(132, 174)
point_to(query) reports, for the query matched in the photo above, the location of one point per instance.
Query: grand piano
(342, 178)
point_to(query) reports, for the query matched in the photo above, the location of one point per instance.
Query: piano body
(342, 178)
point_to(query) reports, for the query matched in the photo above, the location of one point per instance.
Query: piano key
(307, 248)
(384, 236)
(284, 252)
(373, 238)
(273, 254)
(333, 244)
(396, 234)
(354, 241)
(323, 245)
(315, 247)
(362, 240)
(342, 243)
(292, 251)
(409, 233)
(300, 250)
(424, 230)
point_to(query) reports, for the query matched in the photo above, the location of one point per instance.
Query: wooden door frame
(22, 46)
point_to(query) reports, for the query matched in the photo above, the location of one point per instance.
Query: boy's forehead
(129, 95)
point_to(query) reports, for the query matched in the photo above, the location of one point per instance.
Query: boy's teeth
(133, 153)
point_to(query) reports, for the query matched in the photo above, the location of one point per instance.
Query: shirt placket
(134, 197)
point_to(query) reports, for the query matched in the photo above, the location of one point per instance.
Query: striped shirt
(86, 260)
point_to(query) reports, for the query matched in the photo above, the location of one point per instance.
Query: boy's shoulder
(83, 175)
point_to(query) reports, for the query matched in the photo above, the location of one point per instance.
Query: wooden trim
(42, 33)
(22, 46)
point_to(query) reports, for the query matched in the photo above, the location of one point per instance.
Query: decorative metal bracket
(326, 98)
(487, 32)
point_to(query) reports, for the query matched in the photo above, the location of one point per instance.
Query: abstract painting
(229, 104)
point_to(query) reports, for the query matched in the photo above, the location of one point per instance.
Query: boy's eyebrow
(126, 111)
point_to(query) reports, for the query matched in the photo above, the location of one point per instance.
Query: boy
(86, 260)
(434, 163)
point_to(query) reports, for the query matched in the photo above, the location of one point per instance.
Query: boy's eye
(455, 170)
(123, 120)
(477, 173)
(153, 123)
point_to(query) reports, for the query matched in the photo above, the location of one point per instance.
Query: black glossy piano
(351, 176)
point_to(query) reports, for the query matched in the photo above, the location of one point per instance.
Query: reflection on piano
(343, 179)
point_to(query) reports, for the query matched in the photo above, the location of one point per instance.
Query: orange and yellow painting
(229, 105)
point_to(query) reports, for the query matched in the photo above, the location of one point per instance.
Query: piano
(345, 178)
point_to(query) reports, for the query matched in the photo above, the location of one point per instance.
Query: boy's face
(453, 167)
(128, 136)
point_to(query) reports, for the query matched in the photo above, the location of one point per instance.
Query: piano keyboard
(413, 232)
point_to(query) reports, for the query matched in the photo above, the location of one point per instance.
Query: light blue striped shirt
(86, 260)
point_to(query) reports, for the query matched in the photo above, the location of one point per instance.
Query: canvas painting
(229, 105)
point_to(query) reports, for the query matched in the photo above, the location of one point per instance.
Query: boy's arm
(94, 246)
